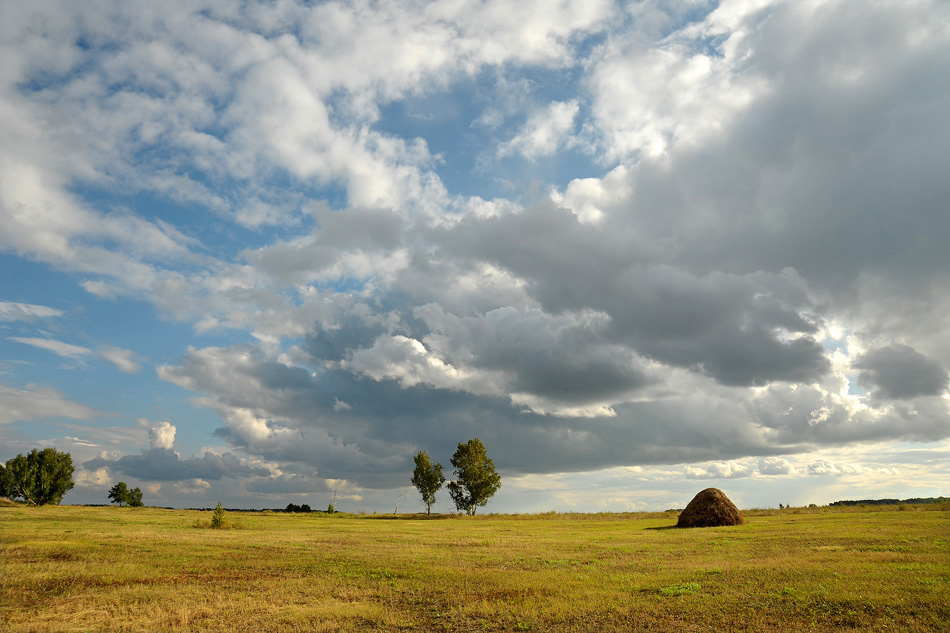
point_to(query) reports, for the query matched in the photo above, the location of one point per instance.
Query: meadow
(69, 568)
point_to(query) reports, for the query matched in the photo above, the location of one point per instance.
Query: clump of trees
(293, 507)
(39, 478)
(121, 494)
(476, 480)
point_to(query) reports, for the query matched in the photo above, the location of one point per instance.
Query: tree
(135, 498)
(399, 498)
(218, 519)
(119, 493)
(40, 478)
(6, 485)
(427, 478)
(476, 480)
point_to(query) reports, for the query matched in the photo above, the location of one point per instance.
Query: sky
(266, 252)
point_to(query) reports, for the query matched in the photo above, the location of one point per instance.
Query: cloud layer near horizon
(756, 267)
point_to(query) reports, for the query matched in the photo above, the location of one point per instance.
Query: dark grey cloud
(565, 358)
(335, 344)
(371, 444)
(724, 325)
(901, 372)
(359, 232)
(374, 440)
(162, 464)
(367, 229)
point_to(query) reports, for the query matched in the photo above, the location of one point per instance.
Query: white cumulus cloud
(162, 435)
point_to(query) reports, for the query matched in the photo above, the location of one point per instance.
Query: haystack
(710, 508)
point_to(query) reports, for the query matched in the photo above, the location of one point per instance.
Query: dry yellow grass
(121, 569)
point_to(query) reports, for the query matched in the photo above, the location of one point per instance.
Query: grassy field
(125, 569)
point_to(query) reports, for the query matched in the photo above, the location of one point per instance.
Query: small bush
(217, 519)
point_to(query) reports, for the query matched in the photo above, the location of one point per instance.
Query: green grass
(125, 569)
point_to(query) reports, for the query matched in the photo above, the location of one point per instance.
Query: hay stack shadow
(710, 508)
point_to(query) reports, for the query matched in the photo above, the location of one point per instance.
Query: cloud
(65, 350)
(123, 359)
(96, 478)
(775, 466)
(99, 288)
(361, 244)
(35, 402)
(825, 467)
(163, 464)
(741, 329)
(544, 133)
(192, 487)
(750, 173)
(290, 415)
(11, 311)
(545, 362)
(410, 363)
(670, 311)
(162, 436)
(655, 91)
(720, 470)
(901, 372)
(292, 483)
(834, 237)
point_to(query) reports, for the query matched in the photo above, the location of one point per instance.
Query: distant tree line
(890, 502)
(476, 481)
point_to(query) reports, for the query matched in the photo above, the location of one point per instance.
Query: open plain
(140, 569)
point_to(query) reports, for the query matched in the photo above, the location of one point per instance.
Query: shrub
(217, 519)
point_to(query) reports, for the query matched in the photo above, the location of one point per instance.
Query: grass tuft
(681, 589)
